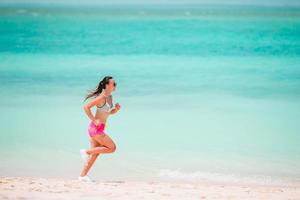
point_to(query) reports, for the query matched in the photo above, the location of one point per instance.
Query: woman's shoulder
(100, 96)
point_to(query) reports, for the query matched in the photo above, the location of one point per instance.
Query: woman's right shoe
(84, 178)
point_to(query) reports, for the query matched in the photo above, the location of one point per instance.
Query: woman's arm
(116, 109)
(113, 111)
(87, 107)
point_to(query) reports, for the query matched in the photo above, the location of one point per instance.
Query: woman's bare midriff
(102, 116)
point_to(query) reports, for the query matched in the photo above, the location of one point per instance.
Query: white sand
(32, 188)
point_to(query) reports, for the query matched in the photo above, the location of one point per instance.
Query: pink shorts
(94, 130)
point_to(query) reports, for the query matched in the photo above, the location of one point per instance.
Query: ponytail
(98, 90)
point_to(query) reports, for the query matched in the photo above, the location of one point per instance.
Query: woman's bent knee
(113, 149)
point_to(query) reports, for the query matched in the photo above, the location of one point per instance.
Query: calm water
(207, 93)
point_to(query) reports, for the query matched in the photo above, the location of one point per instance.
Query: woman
(100, 141)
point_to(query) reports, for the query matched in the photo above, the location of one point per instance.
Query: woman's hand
(116, 109)
(117, 106)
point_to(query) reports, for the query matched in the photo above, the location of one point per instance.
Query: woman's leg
(93, 158)
(109, 145)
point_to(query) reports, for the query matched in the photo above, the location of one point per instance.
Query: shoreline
(32, 188)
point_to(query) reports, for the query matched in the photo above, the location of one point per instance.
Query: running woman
(100, 141)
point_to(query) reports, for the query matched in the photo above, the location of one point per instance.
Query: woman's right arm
(87, 107)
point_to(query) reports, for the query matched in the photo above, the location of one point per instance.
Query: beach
(35, 188)
(210, 99)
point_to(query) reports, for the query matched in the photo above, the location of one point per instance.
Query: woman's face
(111, 86)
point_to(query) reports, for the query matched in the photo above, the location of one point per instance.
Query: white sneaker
(84, 178)
(85, 157)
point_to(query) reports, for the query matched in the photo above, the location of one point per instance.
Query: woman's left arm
(113, 111)
(116, 109)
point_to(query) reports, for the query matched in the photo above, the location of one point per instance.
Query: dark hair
(101, 86)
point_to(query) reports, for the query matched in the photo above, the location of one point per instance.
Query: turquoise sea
(207, 93)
